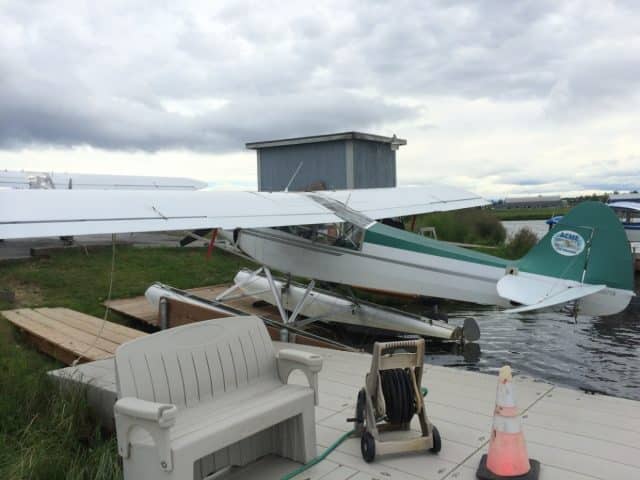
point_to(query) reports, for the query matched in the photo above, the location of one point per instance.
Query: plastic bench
(202, 397)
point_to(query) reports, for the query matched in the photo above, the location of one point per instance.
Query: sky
(501, 97)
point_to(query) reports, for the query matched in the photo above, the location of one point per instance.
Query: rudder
(588, 245)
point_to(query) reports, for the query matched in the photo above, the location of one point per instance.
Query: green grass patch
(529, 213)
(79, 280)
(515, 247)
(46, 432)
(474, 226)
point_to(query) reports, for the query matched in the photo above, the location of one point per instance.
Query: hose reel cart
(390, 399)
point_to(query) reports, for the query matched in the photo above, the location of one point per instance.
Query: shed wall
(323, 162)
(374, 165)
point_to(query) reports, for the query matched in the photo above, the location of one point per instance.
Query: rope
(106, 310)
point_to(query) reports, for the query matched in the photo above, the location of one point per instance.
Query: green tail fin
(589, 244)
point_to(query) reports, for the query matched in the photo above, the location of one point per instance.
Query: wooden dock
(575, 436)
(140, 309)
(67, 335)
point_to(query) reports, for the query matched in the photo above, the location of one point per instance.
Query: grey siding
(323, 162)
(374, 165)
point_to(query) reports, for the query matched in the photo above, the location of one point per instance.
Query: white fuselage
(375, 267)
(397, 270)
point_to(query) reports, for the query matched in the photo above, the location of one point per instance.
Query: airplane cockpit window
(344, 235)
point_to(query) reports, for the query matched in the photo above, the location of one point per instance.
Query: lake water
(595, 353)
(539, 227)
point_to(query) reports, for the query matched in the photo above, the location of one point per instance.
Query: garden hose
(320, 457)
(329, 449)
(399, 397)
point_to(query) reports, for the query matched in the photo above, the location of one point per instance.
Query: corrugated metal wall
(322, 162)
(374, 165)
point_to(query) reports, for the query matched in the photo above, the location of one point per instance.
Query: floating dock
(575, 436)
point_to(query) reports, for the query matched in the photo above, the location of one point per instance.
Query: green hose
(319, 458)
(330, 449)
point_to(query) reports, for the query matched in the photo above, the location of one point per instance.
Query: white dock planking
(575, 436)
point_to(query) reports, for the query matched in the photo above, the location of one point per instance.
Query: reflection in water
(600, 354)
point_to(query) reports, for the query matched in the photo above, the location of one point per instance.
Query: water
(539, 227)
(599, 354)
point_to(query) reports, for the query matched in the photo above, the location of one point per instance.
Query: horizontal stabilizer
(536, 294)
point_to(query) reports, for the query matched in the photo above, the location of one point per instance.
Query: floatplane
(628, 213)
(334, 236)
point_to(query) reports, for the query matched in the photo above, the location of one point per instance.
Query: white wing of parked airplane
(402, 201)
(45, 213)
(85, 181)
(635, 206)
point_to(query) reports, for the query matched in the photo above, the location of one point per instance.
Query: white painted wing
(635, 206)
(82, 181)
(380, 203)
(538, 293)
(47, 213)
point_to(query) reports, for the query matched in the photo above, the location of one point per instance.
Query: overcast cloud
(501, 97)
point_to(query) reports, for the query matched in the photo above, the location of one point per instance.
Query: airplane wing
(46, 213)
(634, 206)
(403, 201)
(83, 181)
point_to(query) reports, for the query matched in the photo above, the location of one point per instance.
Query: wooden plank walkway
(576, 436)
(68, 335)
(139, 308)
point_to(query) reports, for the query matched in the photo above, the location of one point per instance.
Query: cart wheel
(437, 443)
(360, 406)
(368, 447)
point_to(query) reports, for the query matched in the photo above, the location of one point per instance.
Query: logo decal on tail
(568, 243)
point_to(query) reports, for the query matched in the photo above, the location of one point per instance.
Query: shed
(539, 201)
(333, 161)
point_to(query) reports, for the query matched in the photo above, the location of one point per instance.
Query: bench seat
(246, 416)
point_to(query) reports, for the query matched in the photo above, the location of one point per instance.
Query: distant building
(533, 202)
(334, 161)
(624, 197)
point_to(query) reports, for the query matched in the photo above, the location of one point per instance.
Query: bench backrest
(193, 363)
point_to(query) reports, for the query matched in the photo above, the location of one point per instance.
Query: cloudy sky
(501, 97)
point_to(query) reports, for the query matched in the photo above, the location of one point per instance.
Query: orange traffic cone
(507, 457)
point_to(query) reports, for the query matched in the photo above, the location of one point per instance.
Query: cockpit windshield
(344, 235)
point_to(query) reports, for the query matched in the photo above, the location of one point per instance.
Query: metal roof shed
(333, 161)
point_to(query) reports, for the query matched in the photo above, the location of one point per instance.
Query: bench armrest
(155, 418)
(308, 363)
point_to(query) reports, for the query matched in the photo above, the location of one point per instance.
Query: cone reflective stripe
(507, 457)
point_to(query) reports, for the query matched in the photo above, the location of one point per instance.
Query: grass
(480, 227)
(542, 213)
(45, 432)
(476, 226)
